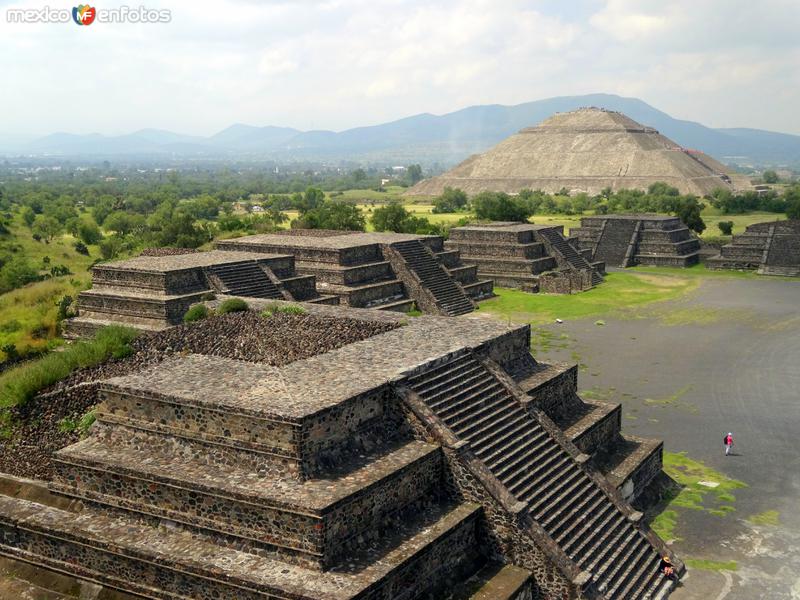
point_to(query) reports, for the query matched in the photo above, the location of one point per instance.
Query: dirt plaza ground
(725, 356)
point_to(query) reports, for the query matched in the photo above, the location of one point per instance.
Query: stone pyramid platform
(585, 150)
(387, 271)
(628, 240)
(154, 292)
(770, 248)
(391, 468)
(529, 257)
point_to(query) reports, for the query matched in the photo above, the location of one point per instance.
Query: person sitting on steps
(667, 569)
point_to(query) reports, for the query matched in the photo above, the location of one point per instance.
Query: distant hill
(445, 138)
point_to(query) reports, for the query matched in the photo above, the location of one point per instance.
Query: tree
(689, 212)
(499, 206)
(725, 227)
(102, 208)
(46, 227)
(16, 273)
(28, 216)
(313, 198)
(770, 176)
(332, 215)
(123, 223)
(88, 232)
(390, 217)
(451, 200)
(793, 203)
(414, 173)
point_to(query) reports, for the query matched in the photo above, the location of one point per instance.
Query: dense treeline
(659, 198)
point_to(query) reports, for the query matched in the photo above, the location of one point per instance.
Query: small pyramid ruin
(586, 150)
(433, 458)
(771, 248)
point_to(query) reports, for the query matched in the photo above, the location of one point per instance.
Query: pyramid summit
(585, 150)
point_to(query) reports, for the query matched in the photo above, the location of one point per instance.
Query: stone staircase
(245, 279)
(613, 246)
(576, 260)
(520, 450)
(448, 295)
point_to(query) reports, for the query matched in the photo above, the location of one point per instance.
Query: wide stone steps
(435, 545)
(496, 582)
(568, 252)
(448, 295)
(308, 523)
(245, 279)
(574, 510)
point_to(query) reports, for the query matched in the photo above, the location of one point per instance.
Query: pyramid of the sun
(586, 150)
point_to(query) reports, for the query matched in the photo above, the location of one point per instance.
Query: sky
(336, 64)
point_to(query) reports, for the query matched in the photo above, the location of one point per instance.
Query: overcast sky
(343, 63)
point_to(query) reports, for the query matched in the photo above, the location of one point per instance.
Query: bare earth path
(726, 358)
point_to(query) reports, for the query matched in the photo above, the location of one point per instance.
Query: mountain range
(423, 138)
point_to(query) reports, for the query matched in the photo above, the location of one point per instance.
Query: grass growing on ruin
(768, 517)
(20, 384)
(695, 491)
(711, 565)
(618, 292)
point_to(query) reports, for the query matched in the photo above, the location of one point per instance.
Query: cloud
(342, 63)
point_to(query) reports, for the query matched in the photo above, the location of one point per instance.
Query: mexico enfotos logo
(84, 15)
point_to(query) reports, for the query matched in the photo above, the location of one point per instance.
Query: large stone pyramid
(585, 150)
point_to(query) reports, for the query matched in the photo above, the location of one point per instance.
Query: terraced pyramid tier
(525, 256)
(154, 292)
(771, 248)
(628, 240)
(388, 271)
(399, 466)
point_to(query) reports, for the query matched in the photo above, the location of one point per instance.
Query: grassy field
(712, 216)
(619, 292)
(28, 314)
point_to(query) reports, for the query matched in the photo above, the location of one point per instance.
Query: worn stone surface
(308, 472)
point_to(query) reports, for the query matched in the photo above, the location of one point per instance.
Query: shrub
(198, 312)
(86, 422)
(17, 273)
(63, 305)
(232, 305)
(725, 227)
(81, 248)
(20, 384)
(59, 271)
(288, 309)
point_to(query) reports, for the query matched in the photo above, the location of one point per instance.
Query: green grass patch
(694, 495)
(674, 400)
(698, 271)
(711, 565)
(620, 291)
(20, 384)
(664, 525)
(232, 305)
(29, 315)
(287, 309)
(768, 517)
(198, 312)
(691, 494)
